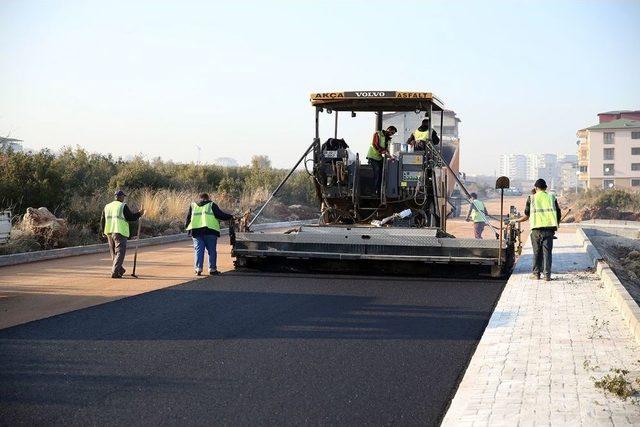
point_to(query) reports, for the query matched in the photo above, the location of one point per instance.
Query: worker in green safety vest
(114, 224)
(203, 224)
(420, 136)
(379, 149)
(475, 215)
(544, 212)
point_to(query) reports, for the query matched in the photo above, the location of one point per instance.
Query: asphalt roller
(400, 229)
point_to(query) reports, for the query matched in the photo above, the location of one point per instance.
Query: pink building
(610, 116)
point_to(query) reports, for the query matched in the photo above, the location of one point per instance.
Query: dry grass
(163, 206)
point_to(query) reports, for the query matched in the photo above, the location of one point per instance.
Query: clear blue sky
(157, 77)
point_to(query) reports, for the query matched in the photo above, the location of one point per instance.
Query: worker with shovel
(115, 220)
(203, 224)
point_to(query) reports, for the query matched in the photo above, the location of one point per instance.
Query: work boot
(547, 278)
(116, 276)
(198, 272)
(535, 276)
(214, 272)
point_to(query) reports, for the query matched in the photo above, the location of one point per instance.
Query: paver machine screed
(402, 228)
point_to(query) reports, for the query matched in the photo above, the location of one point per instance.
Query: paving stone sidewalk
(530, 367)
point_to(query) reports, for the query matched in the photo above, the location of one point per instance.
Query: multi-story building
(609, 152)
(514, 166)
(610, 116)
(543, 166)
(583, 158)
(559, 170)
(568, 176)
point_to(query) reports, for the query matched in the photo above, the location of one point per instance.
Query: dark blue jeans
(209, 242)
(377, 174)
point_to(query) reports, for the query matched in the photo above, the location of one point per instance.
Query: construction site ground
(622, 253)
(42, 289)
(309, 349)
(241, 348)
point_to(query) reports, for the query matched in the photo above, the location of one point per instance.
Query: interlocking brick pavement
(529, 367)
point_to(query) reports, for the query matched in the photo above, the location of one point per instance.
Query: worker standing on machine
(474, 214)
(420, 136)
(377, 151)
(543, 210)
(203, 224)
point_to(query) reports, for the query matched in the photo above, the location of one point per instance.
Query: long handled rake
(135, 253)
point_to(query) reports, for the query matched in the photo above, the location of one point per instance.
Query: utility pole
(199, 151)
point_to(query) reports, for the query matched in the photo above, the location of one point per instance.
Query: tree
(260, 162)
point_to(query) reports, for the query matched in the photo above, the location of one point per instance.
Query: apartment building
(514, 166)
(609, 152)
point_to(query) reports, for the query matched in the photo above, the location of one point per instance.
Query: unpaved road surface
(247, 349)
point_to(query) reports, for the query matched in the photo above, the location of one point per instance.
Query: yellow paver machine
(400, 227)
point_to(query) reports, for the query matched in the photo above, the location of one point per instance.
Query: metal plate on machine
(330, 154)
(411, 175)
(412, 159)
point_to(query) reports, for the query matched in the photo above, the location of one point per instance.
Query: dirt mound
(51, 232)
(585, 214)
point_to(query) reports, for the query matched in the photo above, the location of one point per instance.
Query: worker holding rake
(115, 219)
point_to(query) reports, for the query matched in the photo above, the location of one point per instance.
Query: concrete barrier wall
(26, 257)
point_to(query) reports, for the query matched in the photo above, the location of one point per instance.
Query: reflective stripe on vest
(475, 215)
(373, 153)
(114, 220)
(542, 208)
(420, 135)
(202, 216)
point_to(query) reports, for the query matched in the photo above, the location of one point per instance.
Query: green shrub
(75, 184)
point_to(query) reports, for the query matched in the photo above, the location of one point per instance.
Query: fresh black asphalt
(251, 349)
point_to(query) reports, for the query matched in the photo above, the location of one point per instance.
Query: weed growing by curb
(617, 383)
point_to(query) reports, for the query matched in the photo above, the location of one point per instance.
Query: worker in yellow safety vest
(544, 212)
(474, 215)
(420, 136)
(379, 149)
(203, 224)
(114, 224)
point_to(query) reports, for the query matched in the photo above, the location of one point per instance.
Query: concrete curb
(27, 257)
(610, 223)
(615, 289)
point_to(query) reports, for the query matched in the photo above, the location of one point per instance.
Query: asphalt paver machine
(402, 228)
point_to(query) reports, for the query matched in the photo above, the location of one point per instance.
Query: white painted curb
(616, 291)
